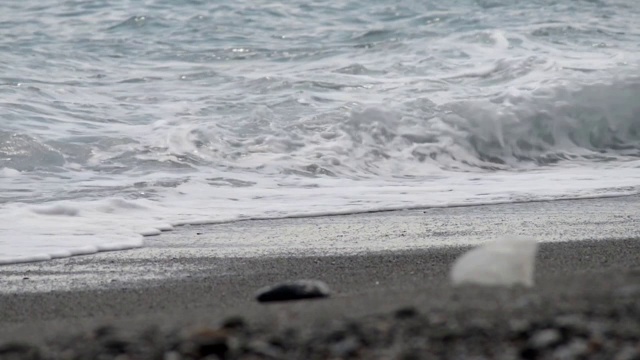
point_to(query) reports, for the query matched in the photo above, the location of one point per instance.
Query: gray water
(125, 119)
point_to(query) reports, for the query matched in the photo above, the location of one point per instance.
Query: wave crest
(568, 122)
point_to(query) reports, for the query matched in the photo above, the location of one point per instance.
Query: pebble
(628, 353)
(404, 333)
(172, 355)
(234, 323)
(406, 313)
(572, 350)
(545, 338)
(264, 349)
(205, 342)
(628, 291)
(19, 351)
(345, 348)
(294, 290)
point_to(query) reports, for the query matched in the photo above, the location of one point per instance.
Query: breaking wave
(592, 122)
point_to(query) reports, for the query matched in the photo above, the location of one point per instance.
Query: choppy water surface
(127, 119)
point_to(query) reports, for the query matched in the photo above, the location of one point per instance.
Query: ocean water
(124, 119)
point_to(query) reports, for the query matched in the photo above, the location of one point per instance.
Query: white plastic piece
(505, 262)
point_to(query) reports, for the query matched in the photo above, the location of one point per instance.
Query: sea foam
(37, 232)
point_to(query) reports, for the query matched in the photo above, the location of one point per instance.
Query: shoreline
(171, 255)
(310, 216)
(187, 281)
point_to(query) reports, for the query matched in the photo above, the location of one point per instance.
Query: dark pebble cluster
(405, 334)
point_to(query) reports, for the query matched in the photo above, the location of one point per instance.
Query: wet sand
(394, 303)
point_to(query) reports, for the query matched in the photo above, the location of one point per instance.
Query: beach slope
(190, 293)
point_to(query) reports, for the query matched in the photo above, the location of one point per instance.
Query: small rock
(172, 355)
(406, 313)
(520, 326)
(206, 342)
(545, 338)
(346, 348)
(294, 290)
(575, 349)
(595, 344)
(264, 349)
(628, 353)
(234, 323)
(103, 331)
(19, 351)
(571, 322)
(628, 291)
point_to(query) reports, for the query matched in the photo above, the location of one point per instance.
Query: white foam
(65, 228)
(9, 172)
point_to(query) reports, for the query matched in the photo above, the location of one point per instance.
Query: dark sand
(385, 305)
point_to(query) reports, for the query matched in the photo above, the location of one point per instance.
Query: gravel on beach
(607, 332)
(181, 299)
(585, 312)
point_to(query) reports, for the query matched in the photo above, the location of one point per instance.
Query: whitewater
(120, 121)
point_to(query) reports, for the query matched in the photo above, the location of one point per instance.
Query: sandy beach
(190, 294)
